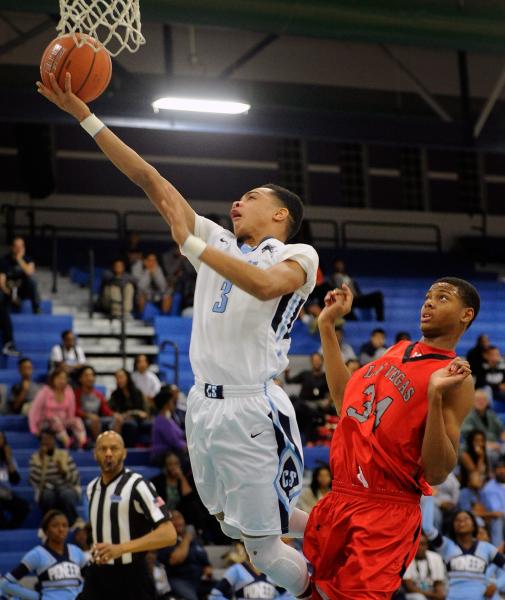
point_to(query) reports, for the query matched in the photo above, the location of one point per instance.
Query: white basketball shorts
(246, 454)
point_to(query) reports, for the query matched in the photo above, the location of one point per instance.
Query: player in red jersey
(399, 429)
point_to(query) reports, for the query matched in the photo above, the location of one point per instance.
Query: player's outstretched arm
(337, 303)
(450, 399)
(156, 187)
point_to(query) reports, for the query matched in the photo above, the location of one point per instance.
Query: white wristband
(92, 125)
(193, 246)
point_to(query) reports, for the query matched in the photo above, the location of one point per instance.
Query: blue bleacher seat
(21, 540)
(28, 323)
(40, 362)
(46, 307)
(9, 560)
(84, 458)
(89, 473)
(10, 423)
(315, 456)
(167, 326)
(150, 312)
(18, 439)
(11, 376)
(81, 277)
(36, 342)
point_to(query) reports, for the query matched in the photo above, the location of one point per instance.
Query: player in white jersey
(243, 437)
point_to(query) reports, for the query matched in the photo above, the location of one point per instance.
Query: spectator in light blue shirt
(494, 500)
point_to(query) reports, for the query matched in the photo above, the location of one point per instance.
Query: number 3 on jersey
(220, 306)
(380, 408)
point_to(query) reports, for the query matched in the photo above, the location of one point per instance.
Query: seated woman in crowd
(474, 457)
(92, 406)
(127, 401)
(54, 408)
(172, 485)
(56, 564)
(318, 488)
(145, 380)
(166, 433)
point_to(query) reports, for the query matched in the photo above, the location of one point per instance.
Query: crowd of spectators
(70, 410)
(139, 277)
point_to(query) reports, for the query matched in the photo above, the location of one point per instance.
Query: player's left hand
(64, 99)
(450, 376)
(172, 211)
(102, 553)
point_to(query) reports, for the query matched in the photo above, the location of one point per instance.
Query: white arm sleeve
(307, 258)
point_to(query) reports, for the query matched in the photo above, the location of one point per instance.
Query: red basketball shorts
(360, 543)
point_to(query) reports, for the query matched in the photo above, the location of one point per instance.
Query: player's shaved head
(109, 436)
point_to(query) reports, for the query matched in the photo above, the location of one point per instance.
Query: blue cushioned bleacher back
(13, 423)
(11, 376)
(21, 439)
(135, 457)
(46, 307)
(9, 560)
(89, 473)
(21, 540)
(316, 456)
(40, 361)
(41, 323)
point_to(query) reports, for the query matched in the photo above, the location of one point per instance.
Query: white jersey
(236, 338)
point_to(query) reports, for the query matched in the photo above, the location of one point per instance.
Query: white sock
(283, 564)
(297, 523)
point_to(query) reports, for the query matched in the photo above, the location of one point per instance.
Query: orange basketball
(91, 70)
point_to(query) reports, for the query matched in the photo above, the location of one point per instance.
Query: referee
(127, 519)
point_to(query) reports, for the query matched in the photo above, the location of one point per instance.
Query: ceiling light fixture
(222, 107)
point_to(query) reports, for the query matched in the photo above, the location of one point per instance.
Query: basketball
(91, 69)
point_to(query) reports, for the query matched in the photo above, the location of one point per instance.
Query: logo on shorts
(288, 482)
(289, 477)
(214, 391)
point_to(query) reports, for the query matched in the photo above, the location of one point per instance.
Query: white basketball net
(114, 23)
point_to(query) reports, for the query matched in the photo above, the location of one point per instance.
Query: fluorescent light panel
(222, 107)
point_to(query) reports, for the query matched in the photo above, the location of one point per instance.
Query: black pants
(374, 300)
(5, 318)
(17, 507)
(124, 582)
(28, 290)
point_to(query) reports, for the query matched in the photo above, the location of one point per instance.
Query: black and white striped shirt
(126, 508)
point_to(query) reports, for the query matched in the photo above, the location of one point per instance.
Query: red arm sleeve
(78, 410)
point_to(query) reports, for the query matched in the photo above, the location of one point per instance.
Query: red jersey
(378, 441)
